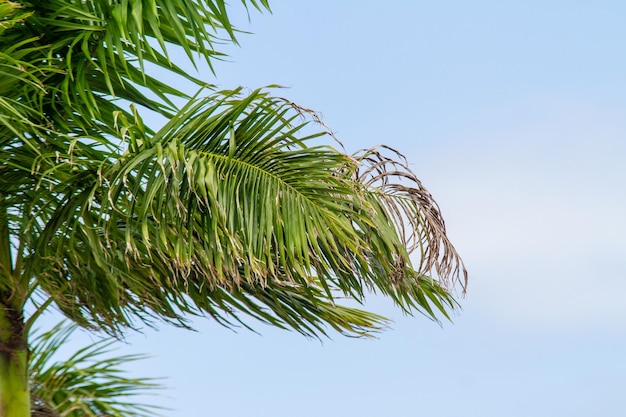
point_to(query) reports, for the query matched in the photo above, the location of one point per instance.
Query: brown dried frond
(413, 211)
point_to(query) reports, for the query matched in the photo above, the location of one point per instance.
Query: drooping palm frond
(230, 208)
(89, 383)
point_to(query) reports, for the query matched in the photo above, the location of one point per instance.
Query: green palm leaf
(241, 205)
(225, 202)
(90, 383)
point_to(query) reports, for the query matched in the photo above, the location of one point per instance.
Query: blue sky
(512, 114)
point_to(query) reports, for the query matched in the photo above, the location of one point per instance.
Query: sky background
(512, 113)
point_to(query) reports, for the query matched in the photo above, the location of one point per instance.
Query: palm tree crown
(229, 207)
(237, 205)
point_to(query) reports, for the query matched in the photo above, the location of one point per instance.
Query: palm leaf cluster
(235, 206)
(89, 383)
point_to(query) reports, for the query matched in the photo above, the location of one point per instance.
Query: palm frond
(89, 56)
(235, 206)
(232, 207)
(90, 383)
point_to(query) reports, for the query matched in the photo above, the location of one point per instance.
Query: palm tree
(241, 204)
(89, 383)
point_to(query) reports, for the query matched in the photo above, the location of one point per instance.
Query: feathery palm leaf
(227, 202)
(235, 207)
(90, 383)
(232, 207)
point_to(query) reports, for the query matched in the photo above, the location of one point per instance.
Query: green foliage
(89, 383)
(233, 207)
(240, 205)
